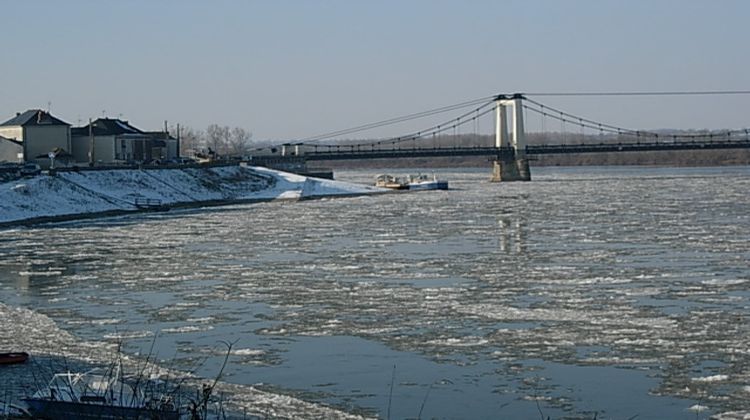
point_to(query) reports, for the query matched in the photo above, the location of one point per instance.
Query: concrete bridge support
(515, 168)
(505, 170)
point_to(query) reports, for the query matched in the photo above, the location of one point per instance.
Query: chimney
(18, 114)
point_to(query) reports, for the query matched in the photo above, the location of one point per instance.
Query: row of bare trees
(222, 140)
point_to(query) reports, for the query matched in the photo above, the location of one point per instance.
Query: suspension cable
(395, 120)
(565, 117)
(643, 93)
(529, 105)
(437, 129)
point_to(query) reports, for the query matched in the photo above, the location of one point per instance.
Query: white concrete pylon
(519, 133)
(518, 139)
(501, 125)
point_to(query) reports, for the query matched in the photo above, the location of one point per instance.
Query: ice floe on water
(25, 330)
(187, 329)
(248, 352)
(712, 378)
(459, 342)
(489, 286)
(732, 415)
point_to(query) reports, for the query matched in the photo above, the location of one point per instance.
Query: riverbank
(73, 195)
(55, 350)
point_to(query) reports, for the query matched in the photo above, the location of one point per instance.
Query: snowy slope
(298, 186)
(49, 196)
(86, 192)
(125, 186)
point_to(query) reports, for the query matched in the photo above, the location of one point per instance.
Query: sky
(287, 69)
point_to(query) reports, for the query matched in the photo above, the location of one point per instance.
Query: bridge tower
(513, 166)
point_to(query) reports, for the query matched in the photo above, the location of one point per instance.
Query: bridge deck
(355, 152)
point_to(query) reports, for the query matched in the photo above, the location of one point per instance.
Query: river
(614, 292)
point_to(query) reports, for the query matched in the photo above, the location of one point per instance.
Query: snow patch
(87, 192)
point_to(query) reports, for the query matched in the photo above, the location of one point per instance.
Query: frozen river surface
(614, 292)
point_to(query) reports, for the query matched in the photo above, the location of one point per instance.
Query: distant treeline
(222, 140)
(667, 158)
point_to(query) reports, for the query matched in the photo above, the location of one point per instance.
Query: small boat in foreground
(97, 395)
(13, 358)
(411, 182)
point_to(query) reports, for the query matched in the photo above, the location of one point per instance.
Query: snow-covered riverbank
(52, 347)
(71, 195)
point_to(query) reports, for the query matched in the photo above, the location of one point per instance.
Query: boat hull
(393, 186)
(13, 358)
(431, 185)
(51, 409)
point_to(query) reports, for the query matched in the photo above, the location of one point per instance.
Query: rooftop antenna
(104, 113)
(49, 106)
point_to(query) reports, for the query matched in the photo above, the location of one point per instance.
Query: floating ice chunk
(732, 415)
(537, 398)
(127, 335)
(202, 320)
(187, 329)
(49, 273)
(714, 378)
(248, 352)
(459, 342)
(105, 321)
(720, 282)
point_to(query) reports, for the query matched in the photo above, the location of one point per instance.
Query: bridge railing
(638, 146)
(353, 153)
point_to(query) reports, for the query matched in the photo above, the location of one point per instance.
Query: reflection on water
(615, 292)
(512, 237)
(37, 277)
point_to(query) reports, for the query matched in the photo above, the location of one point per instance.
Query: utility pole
(178, 140)
(91, 143)
(166, 140)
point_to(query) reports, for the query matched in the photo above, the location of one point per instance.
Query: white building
(112, 140)
(32, 135)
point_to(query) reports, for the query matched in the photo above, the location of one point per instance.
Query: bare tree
(239, 141)
(222, 140)
(191, 140)
(217, 138)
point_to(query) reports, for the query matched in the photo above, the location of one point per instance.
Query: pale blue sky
(292, 69)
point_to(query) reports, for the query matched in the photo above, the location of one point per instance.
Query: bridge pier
(514, 168)
(507, 170)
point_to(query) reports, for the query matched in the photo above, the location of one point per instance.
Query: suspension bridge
(510, 151)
